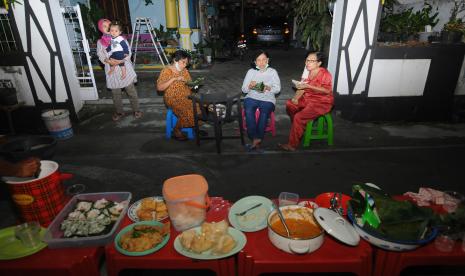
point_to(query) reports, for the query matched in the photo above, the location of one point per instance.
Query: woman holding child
(313, 98)
(119, 73)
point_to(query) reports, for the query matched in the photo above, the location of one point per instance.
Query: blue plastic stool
(171, 120)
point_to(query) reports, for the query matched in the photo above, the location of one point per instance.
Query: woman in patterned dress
(172, 81)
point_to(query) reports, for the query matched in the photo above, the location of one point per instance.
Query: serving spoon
(283, 221)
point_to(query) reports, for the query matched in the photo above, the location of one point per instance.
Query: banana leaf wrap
(259, 87)
(400, 220)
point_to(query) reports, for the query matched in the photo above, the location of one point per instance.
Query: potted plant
(425, 22)
(406, 25)
(204, 49)
(162, 35)
(454, 29)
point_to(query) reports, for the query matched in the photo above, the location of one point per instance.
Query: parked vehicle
(241, 49)
(271, 30)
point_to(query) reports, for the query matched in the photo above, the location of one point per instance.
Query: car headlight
(254, 31)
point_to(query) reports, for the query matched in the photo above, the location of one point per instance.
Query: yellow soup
(298, 228)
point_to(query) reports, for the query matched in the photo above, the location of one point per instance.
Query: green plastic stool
(319, 132)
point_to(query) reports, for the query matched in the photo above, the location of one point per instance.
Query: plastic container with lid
(187, 200)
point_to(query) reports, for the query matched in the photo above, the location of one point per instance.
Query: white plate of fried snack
(142, 238)
(210, 241)
(149, 208)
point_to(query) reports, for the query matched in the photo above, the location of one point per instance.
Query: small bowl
(140, 253)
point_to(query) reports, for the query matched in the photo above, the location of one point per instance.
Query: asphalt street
(133, 155)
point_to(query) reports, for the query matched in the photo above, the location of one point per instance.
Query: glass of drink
(28, 233)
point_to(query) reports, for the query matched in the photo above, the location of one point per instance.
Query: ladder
(147, 22)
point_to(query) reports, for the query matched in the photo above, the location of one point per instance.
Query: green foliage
(407, 21)
(313, 21)
(90, 17)
(161, 33)
(456, 24)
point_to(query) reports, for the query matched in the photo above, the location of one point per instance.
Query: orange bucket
(42, 198)
(187, 200)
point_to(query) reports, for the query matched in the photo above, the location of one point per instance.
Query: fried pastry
(224, 245)
(212, 236)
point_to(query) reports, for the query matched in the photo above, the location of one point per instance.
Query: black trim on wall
(373, 50)
(51, 89)
(437, 101)
(362, 10)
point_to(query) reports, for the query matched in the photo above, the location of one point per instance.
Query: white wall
(443, 7)
(355, 47)
(156, 12)
(460, 89)
(18, 77)
(398, 77)
(42, 56)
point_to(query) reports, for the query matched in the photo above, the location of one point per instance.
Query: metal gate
(81, 51)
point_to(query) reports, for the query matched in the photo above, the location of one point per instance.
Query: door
(117, 10)
(80, 49)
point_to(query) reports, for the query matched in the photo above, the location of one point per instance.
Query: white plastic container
(58, 123)
(187, 200)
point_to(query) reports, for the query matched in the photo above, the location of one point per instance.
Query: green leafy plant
(90, 16)
(455, 23)
(202, 45)
(408, 22)
(313, 21)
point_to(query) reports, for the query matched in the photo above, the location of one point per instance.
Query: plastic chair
(319, 131)
(171, 120)
(270, 127)
(209, 113)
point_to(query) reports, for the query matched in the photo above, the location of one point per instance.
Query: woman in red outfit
(313, 98)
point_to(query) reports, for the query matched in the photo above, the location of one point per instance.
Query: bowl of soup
(306, 235)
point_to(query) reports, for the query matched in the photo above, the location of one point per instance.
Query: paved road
(132, 155)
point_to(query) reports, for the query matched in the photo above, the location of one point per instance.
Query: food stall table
(261, 256)
(62, 261)
(392, 263)
(167, 257)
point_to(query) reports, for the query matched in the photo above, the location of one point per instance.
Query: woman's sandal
(117, 116)
(180, 136)
(286, 147)
(138, 114)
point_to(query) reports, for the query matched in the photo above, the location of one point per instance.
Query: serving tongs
(336, 203)
(283, 221)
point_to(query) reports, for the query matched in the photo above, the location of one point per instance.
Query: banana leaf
(400, 220)
(259, 87)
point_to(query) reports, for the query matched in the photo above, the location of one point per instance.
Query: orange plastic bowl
(324, 200)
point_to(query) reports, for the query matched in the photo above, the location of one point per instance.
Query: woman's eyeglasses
(312, 60)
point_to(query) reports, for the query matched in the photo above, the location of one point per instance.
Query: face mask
(176, 64)
(258, 68)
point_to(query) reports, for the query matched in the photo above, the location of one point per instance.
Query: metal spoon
(251, 208)
(283, 221)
